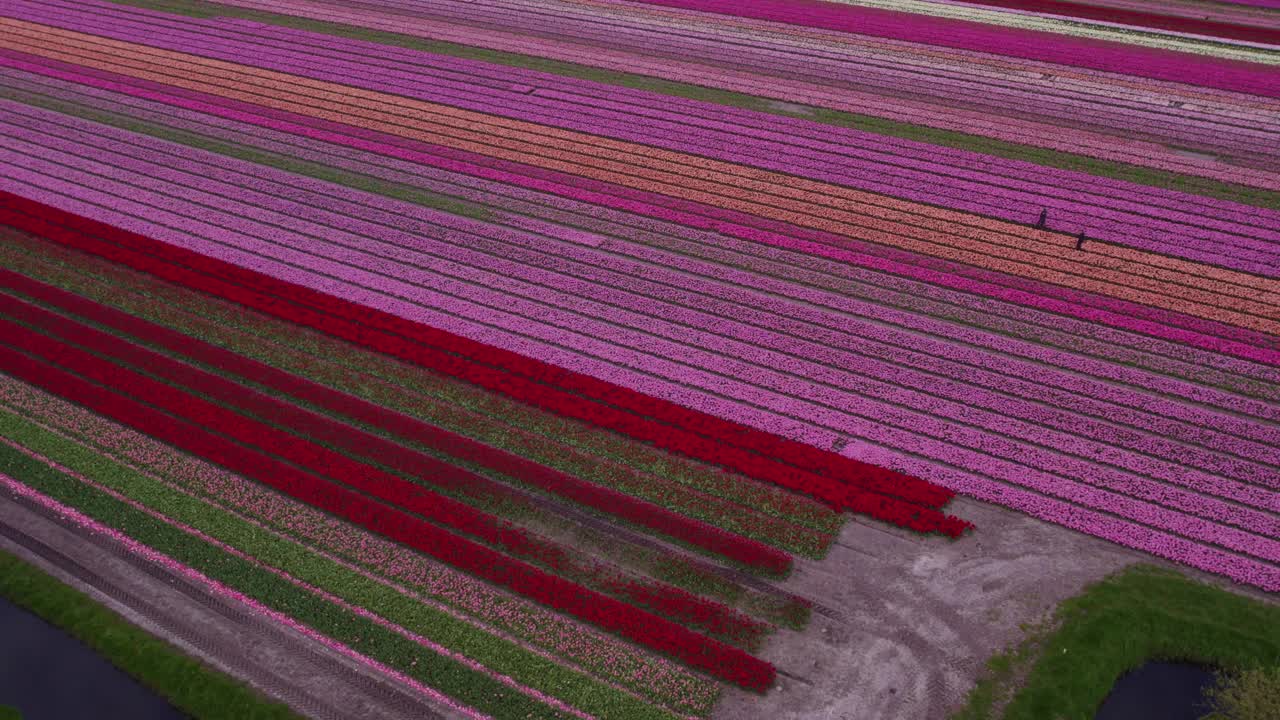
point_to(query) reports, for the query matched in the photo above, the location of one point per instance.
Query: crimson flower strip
(732, 444)
(715, 658)
(917, 510)
(735, 547)
(736, 503)
(464, 596)
(709, 616)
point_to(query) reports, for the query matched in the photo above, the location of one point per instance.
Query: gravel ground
(907, 623)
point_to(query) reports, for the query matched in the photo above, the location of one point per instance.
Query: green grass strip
(330, 362)
(1115, 625)
(249, 154)
(881, 126)
(449, 676)
(11, 713)
(188, 684)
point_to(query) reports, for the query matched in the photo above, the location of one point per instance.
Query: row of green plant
(472, 687)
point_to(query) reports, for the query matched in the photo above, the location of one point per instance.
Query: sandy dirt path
(906, 624)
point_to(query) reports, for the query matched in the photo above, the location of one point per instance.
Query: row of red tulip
(535, 385)
(703, 614)
(191, 431)
(735, 547)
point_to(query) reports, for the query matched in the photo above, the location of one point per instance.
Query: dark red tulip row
(735, 547)
(527, 380)
(46, 363)
(706, 615)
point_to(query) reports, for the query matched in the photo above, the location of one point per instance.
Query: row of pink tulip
(570, 185)
(827, 417)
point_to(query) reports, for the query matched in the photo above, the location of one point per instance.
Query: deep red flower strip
(695, 532)
(699, 651)
(707, 615)
(913, 499)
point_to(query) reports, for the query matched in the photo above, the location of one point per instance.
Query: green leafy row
(451, 677)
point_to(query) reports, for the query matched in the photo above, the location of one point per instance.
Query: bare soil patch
(905, 624)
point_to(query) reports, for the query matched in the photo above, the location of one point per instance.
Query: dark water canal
(49, 675)
(1159, 691)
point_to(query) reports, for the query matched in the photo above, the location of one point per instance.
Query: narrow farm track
(645, 359)
(213, 628)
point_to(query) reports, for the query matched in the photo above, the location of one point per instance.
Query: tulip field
(527, 351)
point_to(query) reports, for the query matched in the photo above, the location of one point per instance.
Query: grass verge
(189, 685)
(446, 674)
(1066, 669)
